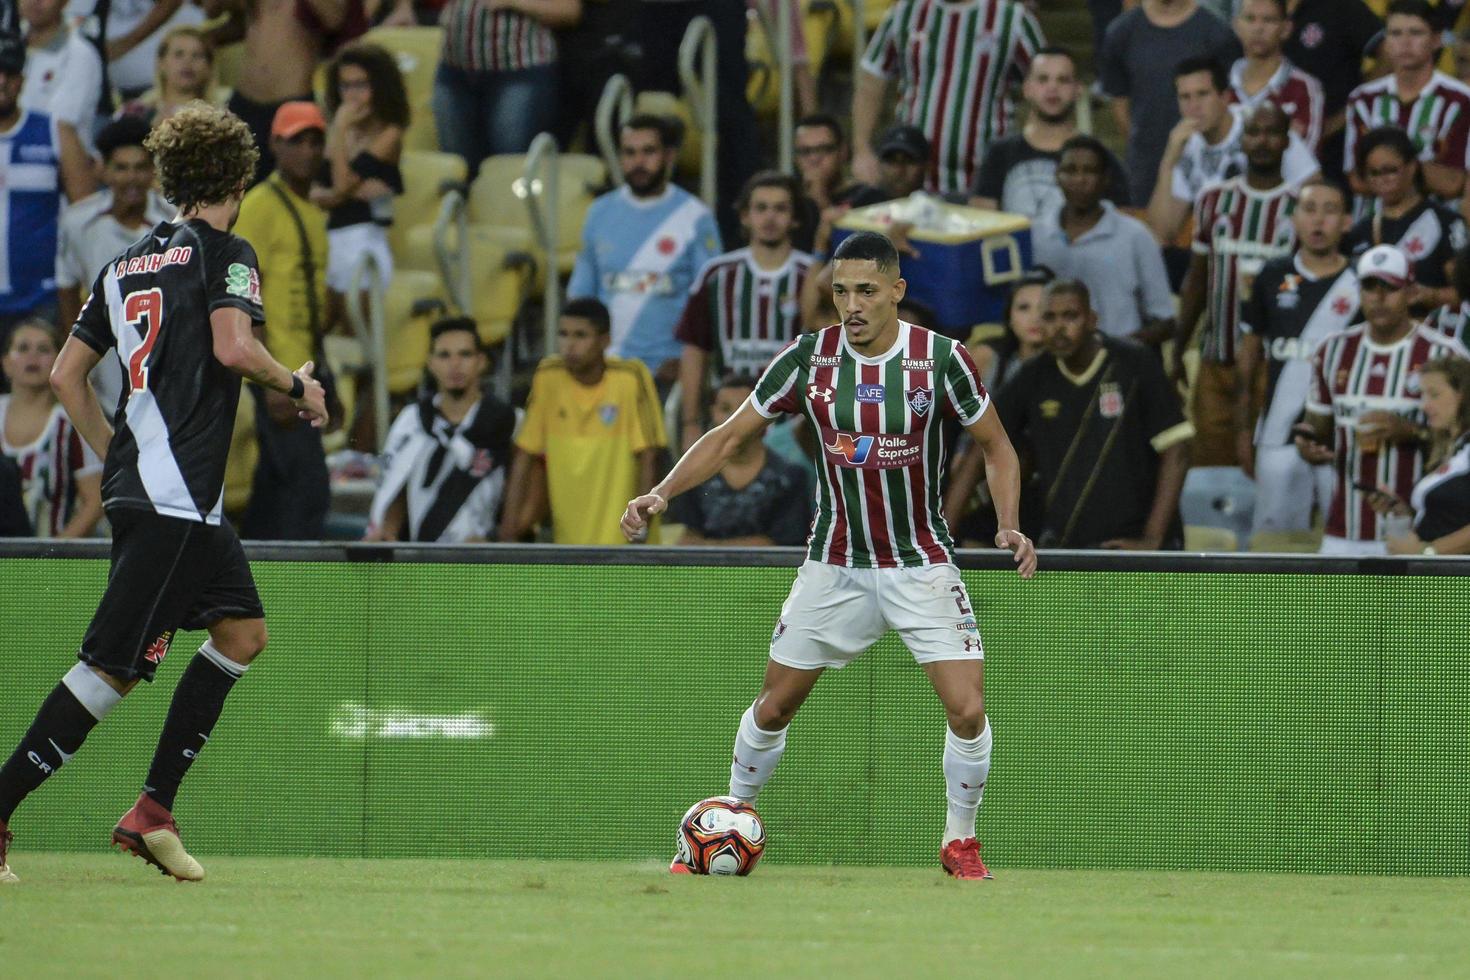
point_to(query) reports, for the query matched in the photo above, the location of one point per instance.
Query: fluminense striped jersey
(955, 62)
(49, 468)
(1238, 229)
(1452, 321)
(479, 38)
(1438, 121)
(1351, 375)
(1298, 94)
(878, 492)
(742, 313)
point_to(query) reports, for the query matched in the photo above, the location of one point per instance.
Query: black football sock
(72, 710)
(197, 703)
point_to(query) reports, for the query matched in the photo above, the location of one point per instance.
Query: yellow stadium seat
(493, 202)
(818, 26)
(227, 61)
(1287, 542)
(412, 302)
(425, 178)
(421, 133)
(497, 287)
(1199, 538)
(417, 51)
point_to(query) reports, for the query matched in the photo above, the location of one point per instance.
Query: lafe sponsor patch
(872, 451)
(870, 394)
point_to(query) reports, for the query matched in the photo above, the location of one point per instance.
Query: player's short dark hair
(1219, 78)
(869, 246)
(1091, 144)
(203, 154)
(824, 120)
(1385, 137)
(1055, 51)
(1280, 5)
(1318, 180)
(1069, 287)
(455, 324)
(1411, 8)
(736, 379)
(670, 131)
(768, 178)
(591, 310)
(121, 132)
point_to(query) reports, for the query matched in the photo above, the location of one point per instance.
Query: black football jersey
(1095, 440)
(177, 412)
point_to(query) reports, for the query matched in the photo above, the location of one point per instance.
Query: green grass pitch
(95, 915)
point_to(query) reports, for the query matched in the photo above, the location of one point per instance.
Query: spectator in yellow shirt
(590, 439)
(290, 494)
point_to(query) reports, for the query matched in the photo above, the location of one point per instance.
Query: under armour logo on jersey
(817, 393)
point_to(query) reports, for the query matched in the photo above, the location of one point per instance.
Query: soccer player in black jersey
(179, 306)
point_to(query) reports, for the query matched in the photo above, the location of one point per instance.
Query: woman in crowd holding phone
(1438, 511)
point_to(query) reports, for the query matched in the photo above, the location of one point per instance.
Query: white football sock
(966, 765)
(756, 753)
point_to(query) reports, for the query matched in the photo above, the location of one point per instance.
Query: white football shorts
(834, 614)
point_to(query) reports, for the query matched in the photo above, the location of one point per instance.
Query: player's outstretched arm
(69, 381)
(1003, 476)
(703, 460)
(237, 348)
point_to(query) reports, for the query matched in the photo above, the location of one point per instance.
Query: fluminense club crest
(920, 400)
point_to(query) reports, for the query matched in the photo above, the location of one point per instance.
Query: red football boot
(149, 831)
(961, 859)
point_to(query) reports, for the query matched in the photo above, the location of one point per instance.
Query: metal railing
(537, 186)
(613, 108)
(370, 326)
(785, 13)
(697, 72)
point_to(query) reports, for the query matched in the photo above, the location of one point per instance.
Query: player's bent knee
(967, 719)
(241, 640)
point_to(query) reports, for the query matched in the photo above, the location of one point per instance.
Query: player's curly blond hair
(203, 155)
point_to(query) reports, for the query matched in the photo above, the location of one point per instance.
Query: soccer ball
(720, 836)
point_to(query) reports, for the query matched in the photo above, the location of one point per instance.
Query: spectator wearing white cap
(1364, 413)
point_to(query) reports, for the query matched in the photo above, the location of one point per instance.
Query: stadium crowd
(1262, 283)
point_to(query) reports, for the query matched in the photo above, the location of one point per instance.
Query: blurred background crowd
(537, 247)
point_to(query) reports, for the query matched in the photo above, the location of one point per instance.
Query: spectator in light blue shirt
(1114, 255)
(642, 246)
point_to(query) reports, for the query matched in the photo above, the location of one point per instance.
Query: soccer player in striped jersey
(1432, 107)
(1240, 224)
(1296, 303)
(1265, 74)
(880, 556)
(1364, 412)
(745, 305)
(955, 61)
